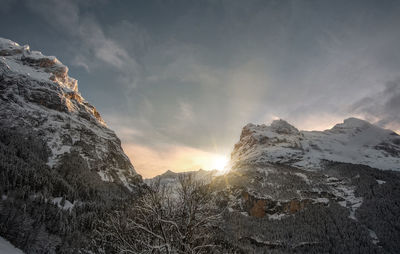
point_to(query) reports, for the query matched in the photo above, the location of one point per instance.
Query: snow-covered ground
(7, 248)
(67, 204)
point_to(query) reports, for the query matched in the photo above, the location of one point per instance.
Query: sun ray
(220, 162)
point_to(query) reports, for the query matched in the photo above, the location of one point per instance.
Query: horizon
(177, 82)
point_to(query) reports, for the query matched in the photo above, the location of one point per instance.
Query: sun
(220, 162)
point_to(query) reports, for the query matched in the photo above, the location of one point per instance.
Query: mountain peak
(353, 122)
(282, 127)
(21, 61)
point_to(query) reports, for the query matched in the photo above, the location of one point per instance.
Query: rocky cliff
(37, 96)
(62, 170)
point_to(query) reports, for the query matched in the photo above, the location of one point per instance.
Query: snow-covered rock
(37, 96)
(63, 203)
(353, 141)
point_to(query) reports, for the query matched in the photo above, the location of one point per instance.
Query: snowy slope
(37, 96)
(7, 248)
(353, 141)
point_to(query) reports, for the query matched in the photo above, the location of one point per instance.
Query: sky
(177, 80)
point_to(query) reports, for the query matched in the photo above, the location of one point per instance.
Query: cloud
(88, 37)
(6, 5)
(186, 112)
(382, 108)
(78, 60)
(62, 15)
(108, 51)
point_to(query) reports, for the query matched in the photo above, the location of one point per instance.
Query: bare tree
(166, 220)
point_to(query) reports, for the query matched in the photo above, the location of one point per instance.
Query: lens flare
(220, 162)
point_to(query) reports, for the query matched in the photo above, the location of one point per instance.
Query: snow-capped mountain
(58, 158)
(38, 97)
(291, 191)
(353, 141)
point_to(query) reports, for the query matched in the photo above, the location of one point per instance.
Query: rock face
(353, 141)
(37, 96)
(62, 171)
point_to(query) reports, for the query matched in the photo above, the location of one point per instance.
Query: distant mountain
(61, 168)
(171, 179)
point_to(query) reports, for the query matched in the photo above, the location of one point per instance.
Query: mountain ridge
(353, 141)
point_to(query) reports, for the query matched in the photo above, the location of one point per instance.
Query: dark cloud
(383, 107)
(93, 44)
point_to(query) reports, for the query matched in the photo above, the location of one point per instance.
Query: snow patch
(67, 204)
(374, 237)
(305, 178)
(380, 182)
(7, 248)
(276, 216)
(104, 176)
(350, 200)
(25, 70)
(321, 200)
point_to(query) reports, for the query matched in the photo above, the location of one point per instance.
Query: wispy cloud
(383, 107)
(90, 40)
(185, 113)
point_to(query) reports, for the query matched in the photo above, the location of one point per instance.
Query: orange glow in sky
(150, 162)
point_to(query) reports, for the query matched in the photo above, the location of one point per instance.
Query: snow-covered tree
(166, 221)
